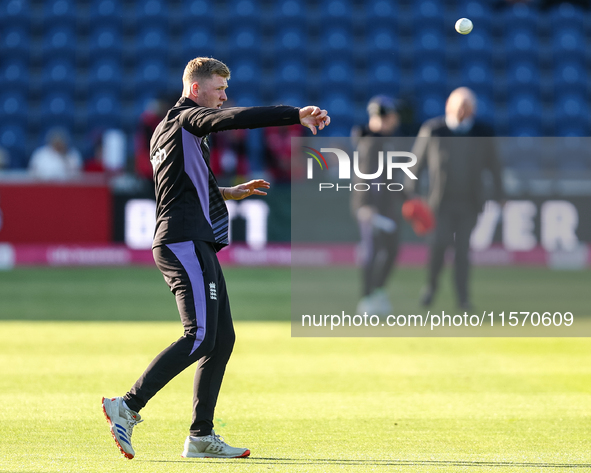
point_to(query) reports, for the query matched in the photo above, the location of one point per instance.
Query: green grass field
(70, 336)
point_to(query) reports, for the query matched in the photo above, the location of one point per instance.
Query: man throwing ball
(191, 227)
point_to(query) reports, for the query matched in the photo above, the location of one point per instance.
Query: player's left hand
(313, 117)
(241, 191)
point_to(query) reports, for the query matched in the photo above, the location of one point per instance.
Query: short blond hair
(204, 68)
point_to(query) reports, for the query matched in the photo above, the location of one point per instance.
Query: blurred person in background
(149, 120)
(455, 170)
(95, 163)
(229, 159)
(278, 152)
(56, 160)
(4, 159)
(191, 227)
(377, 211)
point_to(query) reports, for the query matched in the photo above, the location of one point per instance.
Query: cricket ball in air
(464, 26)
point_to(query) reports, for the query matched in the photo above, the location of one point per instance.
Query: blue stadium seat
(570, 77)
(152, 42)
(292, 43)
(477, 75)
(337, 43)
(105, 12)
(431, 75)
(13, 138)
(573, 127)
(290, 73)
(59, 74)
(336, 13)
(197, 13)
(381, 14)
(60, 41)
(479, 12)
(290, 97)
(14, 75)
(571, 106)
(337, 77)
(381, 45)
(384, 72)
(429, 44)
(382, 42)
(428, 14)
(476, 45)
(384, 78)
(524, 115)
(151, 13)
(566, 15)
(245, 78)
(340, 106)
(524, 105)
(519, 15)
(430, 105)
(521, 43)
(485, 108)
(242, 12)
(58, 108)
(568, 44)
(198, 42)
(62, 12)
(245, 40)
(523, 76)
(13, 106)
(285, 14)
(151, 74)
(15, 42)
(247, 99)
(105, 41)
(289, 10)
(105, 73)
(104, 110)
(15, 13)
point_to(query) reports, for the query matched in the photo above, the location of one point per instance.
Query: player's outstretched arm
(313, 117)
(247, 189)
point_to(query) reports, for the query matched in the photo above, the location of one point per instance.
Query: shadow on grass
(375, 462)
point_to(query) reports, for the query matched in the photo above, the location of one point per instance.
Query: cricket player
(191, 227)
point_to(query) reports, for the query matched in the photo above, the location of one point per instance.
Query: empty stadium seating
(80, 63)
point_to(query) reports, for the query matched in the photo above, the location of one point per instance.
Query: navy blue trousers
(193, 273)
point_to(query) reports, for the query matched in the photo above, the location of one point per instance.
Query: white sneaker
(211, 446)
(381, 302)
(122, 421)
(366, 304)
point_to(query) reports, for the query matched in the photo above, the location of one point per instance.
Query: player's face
(212, 92)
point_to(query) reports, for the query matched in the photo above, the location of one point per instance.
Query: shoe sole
(210, 455)
(129, 456)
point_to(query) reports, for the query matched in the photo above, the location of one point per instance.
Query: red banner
(55, 213)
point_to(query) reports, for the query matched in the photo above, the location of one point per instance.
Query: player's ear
(195, 88)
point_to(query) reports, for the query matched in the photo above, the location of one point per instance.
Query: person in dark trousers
(191, 226)
(377, 211)
(456, 163)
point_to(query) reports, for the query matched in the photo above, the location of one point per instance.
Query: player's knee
(226, 343)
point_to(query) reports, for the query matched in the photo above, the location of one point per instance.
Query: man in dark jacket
(191, 227)
(457, 150)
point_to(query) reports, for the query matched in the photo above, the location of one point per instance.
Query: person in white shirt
(56, 160)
